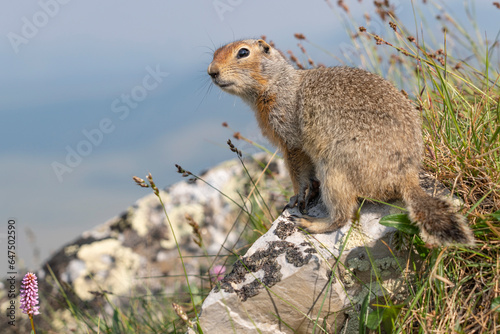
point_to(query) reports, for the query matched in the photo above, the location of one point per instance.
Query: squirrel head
(247, 68)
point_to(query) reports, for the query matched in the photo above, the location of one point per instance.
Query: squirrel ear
(264, 46)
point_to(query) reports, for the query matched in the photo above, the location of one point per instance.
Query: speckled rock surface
(134, 254)
(288, 280)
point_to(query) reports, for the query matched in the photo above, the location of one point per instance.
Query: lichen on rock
(108, 265)
(243, 274)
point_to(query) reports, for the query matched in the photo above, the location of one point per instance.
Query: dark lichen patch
(284, 230)
(310, 249)
(264, 260)
(249, 290)
(294, 256)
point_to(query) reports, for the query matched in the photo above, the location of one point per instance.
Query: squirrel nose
(213, 71)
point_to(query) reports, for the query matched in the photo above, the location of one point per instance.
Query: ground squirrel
(347, 128)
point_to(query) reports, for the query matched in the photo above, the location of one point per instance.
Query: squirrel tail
(439, 223)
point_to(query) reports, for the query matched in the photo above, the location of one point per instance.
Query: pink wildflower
(29, 295)
(217, 272)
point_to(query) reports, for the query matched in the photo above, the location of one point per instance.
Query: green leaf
(495, 304)
(375, 318)
(363, 315)
(116, 320)
(389, 317)
(422, 251)
(401, 222)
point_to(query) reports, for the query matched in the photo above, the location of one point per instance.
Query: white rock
(286, 283)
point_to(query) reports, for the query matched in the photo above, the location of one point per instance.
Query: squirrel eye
(242, 53)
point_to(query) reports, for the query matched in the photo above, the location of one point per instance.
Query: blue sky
(68, 69)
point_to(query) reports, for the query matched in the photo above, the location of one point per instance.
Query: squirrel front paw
(306, 196)
(297, 200)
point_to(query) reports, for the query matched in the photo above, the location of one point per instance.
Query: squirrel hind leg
(341, 207)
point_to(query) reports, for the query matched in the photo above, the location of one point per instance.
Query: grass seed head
(299, 36)
(140, 182)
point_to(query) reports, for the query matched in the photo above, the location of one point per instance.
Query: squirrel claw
(300, 222)
(294, 219)
(301, 201)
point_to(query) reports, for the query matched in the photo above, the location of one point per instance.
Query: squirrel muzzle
(214, 72)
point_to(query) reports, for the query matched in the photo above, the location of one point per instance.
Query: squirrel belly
(344, 133)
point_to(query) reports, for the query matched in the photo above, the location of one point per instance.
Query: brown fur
(263, 108)
(348, 128)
